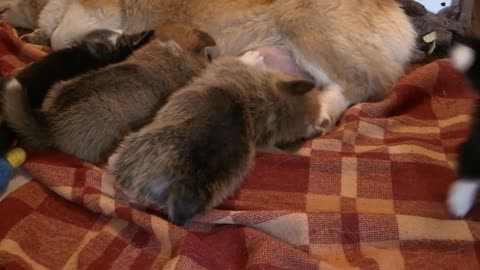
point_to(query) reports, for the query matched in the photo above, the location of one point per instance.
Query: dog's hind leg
(80, 20)
(313, 55)
(355, 59)
(52, 15)
(48, 20)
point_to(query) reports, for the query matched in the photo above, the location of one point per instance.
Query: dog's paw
(332, 104)
(38, 36)
(461, 196)
(253, 58)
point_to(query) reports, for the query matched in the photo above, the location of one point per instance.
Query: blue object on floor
(13, 159)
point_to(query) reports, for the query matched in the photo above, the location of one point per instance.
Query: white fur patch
(461, 196)
(253, 58)
(113, 39)
(462, 57)
(332, 105)
(52, 14)
(118, 31)
(13, 85)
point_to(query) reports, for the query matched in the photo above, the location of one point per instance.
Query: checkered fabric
(368, 196)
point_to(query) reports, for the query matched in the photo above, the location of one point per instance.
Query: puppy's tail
(28, 124)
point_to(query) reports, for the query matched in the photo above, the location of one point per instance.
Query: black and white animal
(465, 57)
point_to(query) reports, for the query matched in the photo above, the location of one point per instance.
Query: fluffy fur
(97, 49)
(359, 48)
(22, 13)
(465, 57)
(89, 115)
(202, 142)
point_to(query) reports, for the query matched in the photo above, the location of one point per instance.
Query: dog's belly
(281, 59)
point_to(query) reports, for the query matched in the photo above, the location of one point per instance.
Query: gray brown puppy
(200, 145)
(89, 115)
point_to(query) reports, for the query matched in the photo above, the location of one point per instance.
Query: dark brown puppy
(201, 144)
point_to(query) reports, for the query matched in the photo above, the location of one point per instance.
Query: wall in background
(436, 5)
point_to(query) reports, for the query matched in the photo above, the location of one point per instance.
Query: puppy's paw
(461, 196)
(38, 36)
(325, 123)
(332, 105)
(253, 58)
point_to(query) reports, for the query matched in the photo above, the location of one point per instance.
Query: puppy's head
(113, 45)
(464, 56)
(199, 43)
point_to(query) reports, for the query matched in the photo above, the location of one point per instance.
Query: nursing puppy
(89, 115)
(359, 47)
(465, 57)
(97, 49)
(201, 144)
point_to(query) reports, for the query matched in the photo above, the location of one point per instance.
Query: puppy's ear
(296, 87)
(205, 48)
(211, 53)
(204, 40)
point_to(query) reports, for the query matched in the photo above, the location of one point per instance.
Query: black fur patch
(6, 133)
(6, 138)
(469, 164)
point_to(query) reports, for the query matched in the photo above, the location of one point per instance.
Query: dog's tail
(28, 124)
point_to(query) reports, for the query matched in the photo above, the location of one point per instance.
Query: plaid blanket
(368, 196)
(15, 54)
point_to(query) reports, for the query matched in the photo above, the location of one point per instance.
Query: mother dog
(357, 48)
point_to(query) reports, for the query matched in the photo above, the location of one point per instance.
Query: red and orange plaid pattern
(15, 54)
(368, 196)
